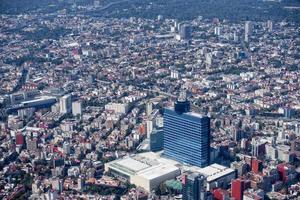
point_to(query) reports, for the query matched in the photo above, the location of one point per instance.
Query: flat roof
(215, 171)
(151, 165)
(157, 171)
(148, 165)
(193, 114)
(39, 99)
(133, 164)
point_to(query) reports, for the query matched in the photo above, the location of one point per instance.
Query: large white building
(146, 170)
(65, 104)
(217, 176)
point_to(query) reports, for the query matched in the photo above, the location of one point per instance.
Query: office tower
(157, 140)
(258, 147)
(149, 127)
(235, 37)
(297, 129)
(256, 166)
(77, 108)
(287, 112)
(149, 108)
(186, 134)
(208, 59)
(193, 187)
(176, 25)
(65, 104)
(237, 189)
(270, 25)
(237, 134)
(248, 30)
(218, 30)
(185, 32)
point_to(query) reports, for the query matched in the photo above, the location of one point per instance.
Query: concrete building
(146, 170)
(217, 176)
(156, 140)
(149, 108)
(77, 108)
(194, 187)
(248, 30)
(65, 104)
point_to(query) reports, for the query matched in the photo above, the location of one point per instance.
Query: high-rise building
(186, 134)
(156, 140)
(80, 183)
(193, 187)
(297, 129)
(149, 127)
(270, 25)
(208, 60)
(185, 32)
(149, 108)
(256, 165)
(65, 104)
(218, 30)
(235, 37)
(66, 147)
(77, 108)
(19, 139)
(237, 189)
(248, 30)
(258, 147)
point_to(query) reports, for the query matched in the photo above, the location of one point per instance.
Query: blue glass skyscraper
(186, 134)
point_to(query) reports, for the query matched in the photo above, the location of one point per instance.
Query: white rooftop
(132, 164)
(151, 165)
(215, 171)
(157, 171)
(148, 165)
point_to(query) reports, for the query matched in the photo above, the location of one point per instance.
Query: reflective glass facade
(187, 137)
(193, 187)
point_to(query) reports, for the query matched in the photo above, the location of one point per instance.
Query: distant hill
(19, 6)
(234, 10)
